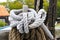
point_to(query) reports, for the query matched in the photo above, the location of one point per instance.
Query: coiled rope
(28, 20)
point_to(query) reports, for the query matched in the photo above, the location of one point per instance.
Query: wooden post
(52, 16)
(35, 4)
(40, 4)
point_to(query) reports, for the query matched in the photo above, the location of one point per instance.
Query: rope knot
(28, 20)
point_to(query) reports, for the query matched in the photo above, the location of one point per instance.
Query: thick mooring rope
(24, 24)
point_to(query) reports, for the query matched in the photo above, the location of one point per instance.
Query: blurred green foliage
(58, 8)
(4, 3)
(30, 3)
(15, 5)
(18, 4)
(45, 4)
(2, 23)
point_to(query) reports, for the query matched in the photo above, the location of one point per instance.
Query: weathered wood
(52, 15)
(35, 4)
(40, 5)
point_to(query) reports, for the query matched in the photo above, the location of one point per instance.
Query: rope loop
(21, 19)
(28, 20)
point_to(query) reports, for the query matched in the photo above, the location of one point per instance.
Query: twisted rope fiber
(15, 33)
(20, 34)
(42, 33)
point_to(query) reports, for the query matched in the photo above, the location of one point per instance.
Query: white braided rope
(23, 20)
(39, 19)
(22, 17)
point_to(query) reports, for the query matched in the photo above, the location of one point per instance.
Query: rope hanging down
(28, 20)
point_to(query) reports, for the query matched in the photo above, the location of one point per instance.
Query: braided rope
(42, 33)
(23, 21)
(32, 34)
(15, 33)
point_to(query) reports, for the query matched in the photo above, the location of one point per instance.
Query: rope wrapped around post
(26, 21)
